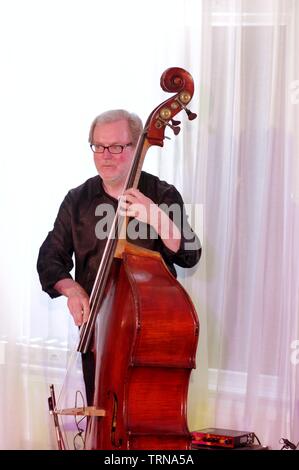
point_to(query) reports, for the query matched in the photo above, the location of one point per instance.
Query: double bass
(143, 327)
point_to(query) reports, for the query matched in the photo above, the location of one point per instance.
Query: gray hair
(134, 122)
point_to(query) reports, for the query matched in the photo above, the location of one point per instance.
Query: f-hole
(115, 442)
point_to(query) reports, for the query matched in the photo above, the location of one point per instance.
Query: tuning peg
(190, 115)
(176, 129)
(175, 123)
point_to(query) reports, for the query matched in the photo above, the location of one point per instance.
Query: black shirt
(75, 233)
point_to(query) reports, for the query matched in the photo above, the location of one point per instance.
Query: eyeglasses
(114, 149)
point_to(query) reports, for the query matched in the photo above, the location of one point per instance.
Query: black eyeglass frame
(108, 147)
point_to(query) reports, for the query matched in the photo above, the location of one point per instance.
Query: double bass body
(145, 342)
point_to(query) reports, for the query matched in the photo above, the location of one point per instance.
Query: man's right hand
(78, 301)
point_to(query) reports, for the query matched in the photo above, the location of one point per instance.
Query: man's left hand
(135, 204)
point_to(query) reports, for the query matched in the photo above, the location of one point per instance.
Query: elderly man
(113, 138)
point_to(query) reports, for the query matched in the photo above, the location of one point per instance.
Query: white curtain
(250, 147)
(64, 62)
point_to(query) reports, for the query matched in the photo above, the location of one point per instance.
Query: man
(113, 138)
